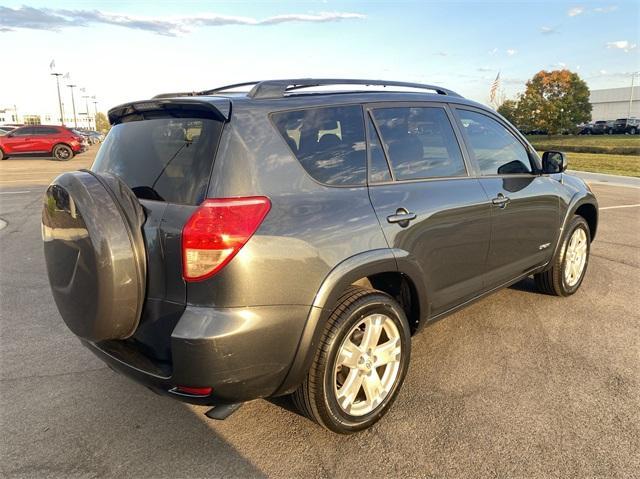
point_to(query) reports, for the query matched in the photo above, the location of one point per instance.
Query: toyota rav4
(276, 238)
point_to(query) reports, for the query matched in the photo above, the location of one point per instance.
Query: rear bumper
(242, 353)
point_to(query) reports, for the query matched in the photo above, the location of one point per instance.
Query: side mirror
(554, 162)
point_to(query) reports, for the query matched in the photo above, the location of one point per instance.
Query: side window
(496, 150)
(23, 131)
(378, 167)
(420, 142)
(329, 143)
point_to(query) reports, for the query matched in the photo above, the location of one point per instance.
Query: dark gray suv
(227, 246)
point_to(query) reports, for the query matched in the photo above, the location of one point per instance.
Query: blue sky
(121, 51)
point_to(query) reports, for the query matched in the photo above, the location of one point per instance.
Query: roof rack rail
(174, 95)
(219, 89)
(227, 87)
(270, 89)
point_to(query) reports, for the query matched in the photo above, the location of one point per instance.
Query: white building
(13, 114)
(614, 103)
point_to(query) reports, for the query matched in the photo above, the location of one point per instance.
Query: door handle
(402, 217)
(501, 200)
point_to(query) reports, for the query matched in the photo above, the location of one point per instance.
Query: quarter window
(378, 166)
(496, 150)
(420, 142)
(329, 143)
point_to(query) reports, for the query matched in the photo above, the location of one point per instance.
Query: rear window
(329, 143)
(166, 159)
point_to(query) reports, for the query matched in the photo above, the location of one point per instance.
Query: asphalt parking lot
(518, 385)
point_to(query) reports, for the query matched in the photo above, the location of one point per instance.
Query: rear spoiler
(215, 108)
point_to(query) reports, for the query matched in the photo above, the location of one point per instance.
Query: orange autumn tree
(554, 101)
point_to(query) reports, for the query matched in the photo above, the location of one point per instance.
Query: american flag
(494, 88)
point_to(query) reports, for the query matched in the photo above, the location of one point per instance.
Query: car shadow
(111, 427)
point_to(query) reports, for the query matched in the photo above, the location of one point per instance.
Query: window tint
(167, 159)
(420, 143)
(378, 168)
(23, 131)
(328, 142)
(43, 130)
(496, 150)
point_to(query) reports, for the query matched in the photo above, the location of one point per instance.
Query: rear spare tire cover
(95, 255)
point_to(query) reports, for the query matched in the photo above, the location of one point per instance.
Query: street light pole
(58, 75)
(86, 109)
(73, 103)
(633, 76)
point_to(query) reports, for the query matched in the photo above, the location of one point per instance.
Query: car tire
(570, 263)
(62, 152)
(2, 157)
(360, 315)
(633, 131)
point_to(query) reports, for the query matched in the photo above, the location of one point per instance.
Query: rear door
(43, 138)
(427, 202)
(525, 206)
(166, 160)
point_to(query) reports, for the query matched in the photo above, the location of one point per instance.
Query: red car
(42, 140)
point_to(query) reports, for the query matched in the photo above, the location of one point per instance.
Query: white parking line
(14, 192)
(621, 206)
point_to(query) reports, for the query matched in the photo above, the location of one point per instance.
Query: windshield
(166, 159)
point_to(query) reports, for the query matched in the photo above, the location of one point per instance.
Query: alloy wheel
(575, 257)
(367, 364)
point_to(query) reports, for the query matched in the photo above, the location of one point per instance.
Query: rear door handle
(402, 217)
(501, 200)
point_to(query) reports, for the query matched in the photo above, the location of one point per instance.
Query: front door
(431, 210)
(525, 207)
(19, 141)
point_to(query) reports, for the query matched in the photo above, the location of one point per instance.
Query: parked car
(629, 126)
(602, 127)
(331, 227)
(585, 129)
(58, 141)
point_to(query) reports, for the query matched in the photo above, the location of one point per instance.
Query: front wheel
(633, 131)
(2, 157)
(570, 264)
(360, 363)
(62, 153)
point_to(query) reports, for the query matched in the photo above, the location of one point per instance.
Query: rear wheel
(360, 364)
(570, 264)
(62, 152)
(2, 157)
(633, 130)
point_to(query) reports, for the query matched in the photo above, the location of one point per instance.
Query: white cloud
(485, 69)
(511, 52)
(59, 19)
(575, 11)
(608, 9)
(493, 51)
(625, 45)
(548, 30)
(603, 72)
(441, 54)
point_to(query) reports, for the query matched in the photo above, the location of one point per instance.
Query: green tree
(102, 124)
(509, 109)
(554, 101)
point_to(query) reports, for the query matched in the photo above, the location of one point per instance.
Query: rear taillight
(217, 230)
